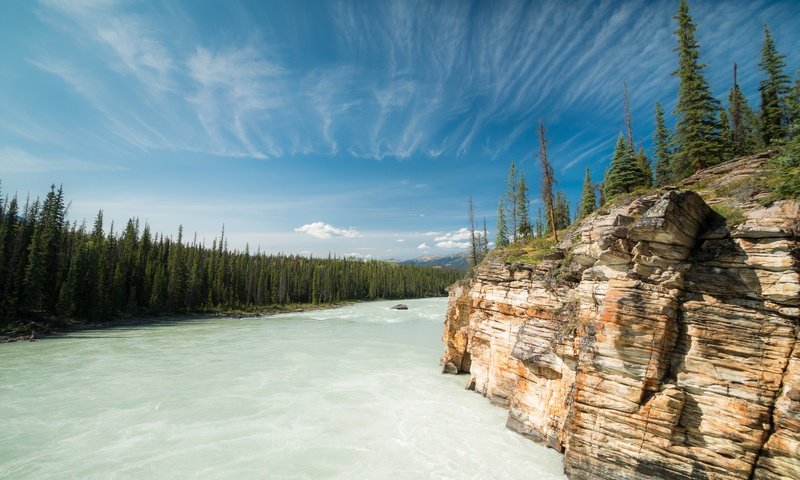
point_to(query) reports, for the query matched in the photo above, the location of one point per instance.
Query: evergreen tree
(9, 235)
(475, 245)
(54, 216)
(746, 135)
(773, 88)
(548, 181)
(588, 202)
(176, 290)
(71, 297)
(662, 154)
(787, 165)
(8, 230)
(725, 135)
(501, 239)
(484, 240)
(601, 189)
(623, 175)
(562, 211)
(793, 110)
(697, 129)
(539, 227)
(524, 228)
(736, 104)
(35, 270)
(48, 271)
(512, 204)
(645, 170)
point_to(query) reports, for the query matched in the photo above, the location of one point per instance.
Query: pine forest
(53, 271)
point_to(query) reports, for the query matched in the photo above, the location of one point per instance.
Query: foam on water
(351, 393)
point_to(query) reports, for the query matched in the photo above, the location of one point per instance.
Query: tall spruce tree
(512, 216)
(773, 89)
(13, 226)
(725, 135)
(735, 106)
(562, 211)
(601, 189)
(501, 238)
(539, 227)
(662, 154)
(475, 245)
(524, 219)
(793, 109)
(588, 201)
(484, 240)
(645, 170)
(624, 175)
(176, 289)
(35, 269)
(788, 163)
(697, 129)
(548, 180)
(746, 135)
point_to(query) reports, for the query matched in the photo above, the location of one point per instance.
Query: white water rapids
(349, 393)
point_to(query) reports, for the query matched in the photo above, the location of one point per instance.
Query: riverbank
(38, 329)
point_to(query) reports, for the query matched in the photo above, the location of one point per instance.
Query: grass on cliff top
(785, 176)
(628, 198)
(530, 251)
(778, 179)
(732, 215)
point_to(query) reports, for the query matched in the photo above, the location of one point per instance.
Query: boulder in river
(400, 306)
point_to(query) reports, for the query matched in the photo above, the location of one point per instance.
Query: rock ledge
(672, 354)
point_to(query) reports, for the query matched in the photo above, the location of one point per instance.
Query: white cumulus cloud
(324, 230)
(423, 246)
(358, 255)
(457, 239)
(452, 244)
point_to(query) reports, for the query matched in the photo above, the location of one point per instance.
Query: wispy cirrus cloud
(233, 88)
(17, 160)
(136, 47)
(400, 79)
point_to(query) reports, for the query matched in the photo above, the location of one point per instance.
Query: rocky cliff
(656, 341)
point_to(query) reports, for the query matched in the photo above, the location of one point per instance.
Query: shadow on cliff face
(654, 469)
(651, 328)
(689, 424)
(717, 268)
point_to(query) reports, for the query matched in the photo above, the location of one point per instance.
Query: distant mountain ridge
(456, 261)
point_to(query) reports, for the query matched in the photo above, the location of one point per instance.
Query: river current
(348, 393)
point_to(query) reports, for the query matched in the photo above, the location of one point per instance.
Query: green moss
(732, 215)
(742, 189)
(530, 252)
(568, 315)
(627, 198)
(701, 185)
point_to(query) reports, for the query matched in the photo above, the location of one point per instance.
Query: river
(348, 393)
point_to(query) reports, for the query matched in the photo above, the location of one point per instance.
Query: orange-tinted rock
(674, 356)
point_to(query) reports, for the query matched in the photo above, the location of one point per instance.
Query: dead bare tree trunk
(736, 116)
(628, 122)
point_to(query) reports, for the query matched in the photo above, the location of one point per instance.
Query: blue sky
(352, 127)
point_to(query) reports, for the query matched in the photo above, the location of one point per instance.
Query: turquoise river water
(349, 393)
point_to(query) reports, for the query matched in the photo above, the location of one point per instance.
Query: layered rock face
(655, 343)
